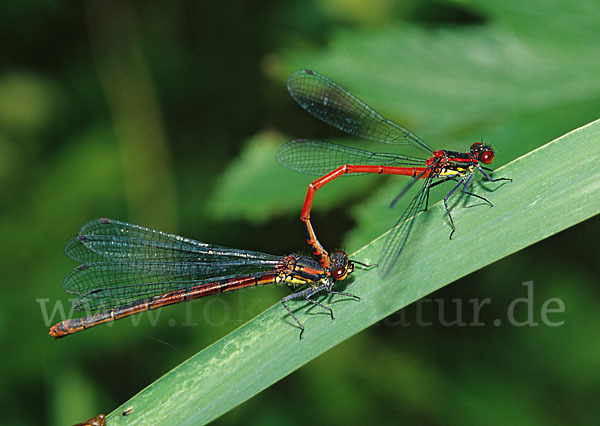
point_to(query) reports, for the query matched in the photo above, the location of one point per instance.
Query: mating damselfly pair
(129, 269)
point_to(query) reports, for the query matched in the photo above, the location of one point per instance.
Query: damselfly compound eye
(487, 156)
(339, 273)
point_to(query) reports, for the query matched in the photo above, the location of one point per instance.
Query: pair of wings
(124, 264)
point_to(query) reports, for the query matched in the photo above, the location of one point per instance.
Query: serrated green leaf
(545, 197)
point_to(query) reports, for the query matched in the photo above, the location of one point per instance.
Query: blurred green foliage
(142, 112)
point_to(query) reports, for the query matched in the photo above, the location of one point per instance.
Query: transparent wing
(127, 263)
(319, 158)
(111, 240)
(110, 285)
(339, 108)
(398, 236)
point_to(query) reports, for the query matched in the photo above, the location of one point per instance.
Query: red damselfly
(339, 108)
(130, 269)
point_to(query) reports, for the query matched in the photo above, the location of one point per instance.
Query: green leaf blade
(554, 187)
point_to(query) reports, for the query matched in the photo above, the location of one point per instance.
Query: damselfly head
(341, 266)
(483, 153)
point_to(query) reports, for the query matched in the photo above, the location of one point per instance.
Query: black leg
(304, 294)
(329, 291)
(365, 266)
(430, 185)
(478, 196)
(466, 185)
(314, 302)
(463, 190)
(448, 195)
(355, 297)
(465, 182)
(444, 180)
(491, 179)
(301, 294)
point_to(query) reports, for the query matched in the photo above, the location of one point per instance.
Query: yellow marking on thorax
(297, 280)
(457, 171)
(290, 278)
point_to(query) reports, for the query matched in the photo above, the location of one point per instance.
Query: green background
(170, 115)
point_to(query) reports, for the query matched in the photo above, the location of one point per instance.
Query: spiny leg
(444, 180)
(428, 188)
(340, 293)
(466, 185)
(329, 291)
(448, 195)
(491, 179)
(431, 185)
(314, 302)
(301, 294)
(449, 178)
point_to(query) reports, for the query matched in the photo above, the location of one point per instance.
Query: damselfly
(339, 108)
(130, 269)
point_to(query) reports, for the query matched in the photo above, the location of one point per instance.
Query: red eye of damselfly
(482, 152)
(339, 273)
(487, 156)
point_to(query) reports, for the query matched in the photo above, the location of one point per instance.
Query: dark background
(150, 113)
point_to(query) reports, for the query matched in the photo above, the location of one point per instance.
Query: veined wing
(319, 158)
(108, 240)
(339, 108)
(112, 284)
(126, 263)
(396, 239)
